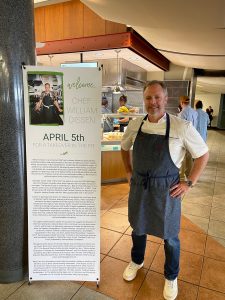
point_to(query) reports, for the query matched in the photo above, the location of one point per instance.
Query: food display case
(112, 165)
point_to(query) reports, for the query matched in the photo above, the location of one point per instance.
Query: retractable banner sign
(63, 157)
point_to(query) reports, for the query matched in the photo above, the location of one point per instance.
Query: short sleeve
(193, 142)
(130, 133)
(127, 140)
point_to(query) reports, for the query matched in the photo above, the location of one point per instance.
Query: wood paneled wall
(71, 20)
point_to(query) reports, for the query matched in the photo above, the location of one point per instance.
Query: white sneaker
(170, 289)
(131, 271)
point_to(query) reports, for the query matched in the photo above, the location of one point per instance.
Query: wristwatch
(189, 183)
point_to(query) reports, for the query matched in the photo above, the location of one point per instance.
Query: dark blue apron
(151, 209)
(50, 113)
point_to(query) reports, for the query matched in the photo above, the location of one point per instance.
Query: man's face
(155, 100)
(47, 87)
(182, 105)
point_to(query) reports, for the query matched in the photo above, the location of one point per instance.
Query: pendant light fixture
(118, 88)
(50, 58)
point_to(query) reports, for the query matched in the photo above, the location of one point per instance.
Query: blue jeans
(172, 254)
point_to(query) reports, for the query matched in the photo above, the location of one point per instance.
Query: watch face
(189, 183)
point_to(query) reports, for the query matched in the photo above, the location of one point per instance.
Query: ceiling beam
(129, 40)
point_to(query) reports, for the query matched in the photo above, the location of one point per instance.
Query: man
(51, 109)
(209, 111)
(107, 121)
(203, 120)
(189, 114)
(159, 141)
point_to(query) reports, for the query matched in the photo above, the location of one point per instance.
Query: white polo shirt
(183, 136)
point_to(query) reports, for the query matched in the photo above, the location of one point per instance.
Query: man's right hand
(127, 163)
(129, 175)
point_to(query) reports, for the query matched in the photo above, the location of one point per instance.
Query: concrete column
(193, 86)
(17, 45)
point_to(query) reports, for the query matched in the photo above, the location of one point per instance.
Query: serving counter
(112, 165)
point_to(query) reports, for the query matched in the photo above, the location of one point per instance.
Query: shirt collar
(162, 120)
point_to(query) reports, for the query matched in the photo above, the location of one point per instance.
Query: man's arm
(57, 105)
(198, 167)
(199, 164)
(38, 104)
(126, 157)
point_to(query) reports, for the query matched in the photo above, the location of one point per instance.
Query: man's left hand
(178, 190)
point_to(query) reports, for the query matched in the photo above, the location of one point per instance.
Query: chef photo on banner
(46, 98)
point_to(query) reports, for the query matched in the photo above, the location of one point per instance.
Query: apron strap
(145, 118)
(167, 126)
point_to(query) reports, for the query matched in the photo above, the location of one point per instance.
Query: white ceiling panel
(161, 13)
(211, 85)
(178, 26)
(57, 59)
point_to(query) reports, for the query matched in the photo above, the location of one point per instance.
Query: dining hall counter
(112, 168)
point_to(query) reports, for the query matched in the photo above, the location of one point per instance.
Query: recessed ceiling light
(99, 54)
(134, 58)
(40, 45)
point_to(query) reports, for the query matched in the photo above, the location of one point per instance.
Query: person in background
(179, 108)
(105, 103)
(209, 111)
(159, 141)
(189, 114)
(107, 121)
(203, 120)
(124, 108)
(123, 103)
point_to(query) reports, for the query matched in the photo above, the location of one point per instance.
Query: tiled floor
(202, 274)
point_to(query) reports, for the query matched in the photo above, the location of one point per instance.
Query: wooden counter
(112, 167)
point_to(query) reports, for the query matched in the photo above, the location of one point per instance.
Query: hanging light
(50, 58)
(118, 89)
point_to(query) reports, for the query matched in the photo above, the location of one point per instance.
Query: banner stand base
(97, 283)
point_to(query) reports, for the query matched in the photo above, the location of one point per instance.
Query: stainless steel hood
(127, 74)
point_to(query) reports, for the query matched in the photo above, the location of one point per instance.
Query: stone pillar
(17, 45)
(193, 86)
(175, 88)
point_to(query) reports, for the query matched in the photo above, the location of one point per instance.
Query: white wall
(175, 73)
(155, 75)
(178, 73)
(212, 100)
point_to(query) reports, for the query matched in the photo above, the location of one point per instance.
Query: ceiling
(57, 59)
(211, 85)
(189, 33)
